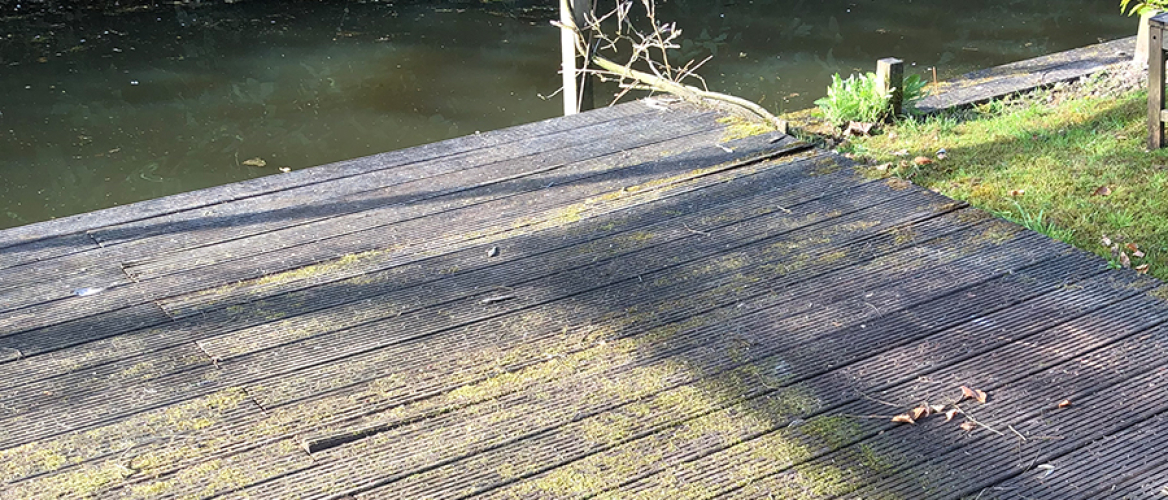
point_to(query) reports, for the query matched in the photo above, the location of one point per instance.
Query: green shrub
(858, 99)
(1142, 7)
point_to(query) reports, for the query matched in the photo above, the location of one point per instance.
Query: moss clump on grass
(1043, 160)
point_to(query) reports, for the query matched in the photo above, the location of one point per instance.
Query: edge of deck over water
(644, 301)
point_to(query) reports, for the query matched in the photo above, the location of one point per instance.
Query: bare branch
(648, 50)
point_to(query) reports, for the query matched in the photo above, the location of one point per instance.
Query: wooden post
(890, 80)
(1156, 28)
(577, 84)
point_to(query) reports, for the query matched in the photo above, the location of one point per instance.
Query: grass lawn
(1068, 162)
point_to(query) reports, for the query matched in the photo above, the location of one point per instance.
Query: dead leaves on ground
(1103, 190)
(1119, 253)
(925, 410)
(951, 411)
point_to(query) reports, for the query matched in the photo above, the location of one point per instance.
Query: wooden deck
(629, 303)
(1000, 81)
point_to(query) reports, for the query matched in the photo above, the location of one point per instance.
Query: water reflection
(98, 110)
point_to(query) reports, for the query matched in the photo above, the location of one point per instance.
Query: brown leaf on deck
(904, 419)
(937, 408)
(968, 426)
(919, 412)
(974, 394)
(1064, 404)
(951, 413)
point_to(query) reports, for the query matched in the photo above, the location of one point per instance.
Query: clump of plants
(1141, 8)
(858, 98)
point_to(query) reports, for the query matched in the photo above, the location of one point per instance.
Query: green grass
(1038, 161)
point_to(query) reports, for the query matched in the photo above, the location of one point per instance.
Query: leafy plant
(858, 99)
(1142, 7)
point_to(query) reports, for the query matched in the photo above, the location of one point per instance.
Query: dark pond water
(99, 110)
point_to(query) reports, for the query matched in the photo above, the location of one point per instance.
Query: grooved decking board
(717, 205)
(460, 226)
(44, 249)
(1098, 467)
(693, 274)
(1021, 76)
(628, 311)
(701, 355)
(500, 199)
(258, 187)
(895, 446)
(331, 201)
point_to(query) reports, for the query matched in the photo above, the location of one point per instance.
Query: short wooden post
(1156, 28)
(577, 84)
(890, 80)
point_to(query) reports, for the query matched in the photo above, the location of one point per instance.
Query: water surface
(98, 110)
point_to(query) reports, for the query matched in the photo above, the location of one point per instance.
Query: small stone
(493, 252)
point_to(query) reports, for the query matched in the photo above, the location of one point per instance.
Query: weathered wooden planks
(1001, 81)
(34, 233)
(668, 319)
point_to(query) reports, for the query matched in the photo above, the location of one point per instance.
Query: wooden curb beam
(1156, 111)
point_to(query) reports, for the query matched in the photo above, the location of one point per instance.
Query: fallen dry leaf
(919, 412)
(1133, 247)
(951, 413)
(1105, 241)
(937, 408)
(1124, 260)
(903, 152)
(1064, 403)
(256, 162)
(968, 426)
(974, 394)
(923, 160)
(860, 128)
(1101, 191)
(1017, 192)
(1138, 254)
(883, 167)
(904, 419)
(1142, 269)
